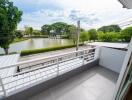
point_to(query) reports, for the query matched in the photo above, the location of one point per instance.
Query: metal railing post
(2, 85)
(83, 56)
(57, 66)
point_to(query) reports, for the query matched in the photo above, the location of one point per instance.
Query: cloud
(85, 17)
(92, 13)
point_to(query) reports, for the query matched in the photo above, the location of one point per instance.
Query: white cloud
(93, 13)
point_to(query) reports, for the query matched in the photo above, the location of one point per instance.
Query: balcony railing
(25, 73)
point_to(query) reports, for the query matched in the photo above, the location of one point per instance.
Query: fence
(28, 72)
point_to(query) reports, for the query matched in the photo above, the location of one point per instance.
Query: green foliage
(109, 37)
(19, 40)
(45, 29)
(82, 30)
(60, 28)
(10, 16)
(84, 36)
(18, 34)
(92, 34)
(71, 31)
(110, 28)
(28, 30)
(126, 34)
(37, 32)
(35, 51)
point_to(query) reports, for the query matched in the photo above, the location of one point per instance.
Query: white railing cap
(42, 58)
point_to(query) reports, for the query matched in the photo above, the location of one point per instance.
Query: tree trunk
(6, 51)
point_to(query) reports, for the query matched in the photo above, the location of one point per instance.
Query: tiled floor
(95, 84)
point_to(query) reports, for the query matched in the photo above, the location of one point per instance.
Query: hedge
(35, 51)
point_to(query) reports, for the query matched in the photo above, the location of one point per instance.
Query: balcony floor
(97, 83)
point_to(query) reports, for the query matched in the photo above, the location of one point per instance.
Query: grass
(35, 51)
(19, 40)
(9, 53)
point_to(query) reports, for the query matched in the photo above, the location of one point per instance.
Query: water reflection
(36, 43)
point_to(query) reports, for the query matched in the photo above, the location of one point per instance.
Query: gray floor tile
(95, 84)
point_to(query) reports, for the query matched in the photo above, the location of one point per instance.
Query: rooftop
(111, 45)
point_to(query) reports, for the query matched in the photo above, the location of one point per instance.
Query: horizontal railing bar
(30, 75)
(67, 64)
(88, 58)
(44, 75)
(26, 76)
(34, 79)
(20, 73)
(27, 82)
(49, 60)
(33, 69)
(69, 67)
(42, 58)
(53, 63)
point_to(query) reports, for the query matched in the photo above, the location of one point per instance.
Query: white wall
(97, 53)
(111, 58)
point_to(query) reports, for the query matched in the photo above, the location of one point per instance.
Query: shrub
(126, 34)
(84, 36)
(92, 34)
(35, 51)
(109, 37)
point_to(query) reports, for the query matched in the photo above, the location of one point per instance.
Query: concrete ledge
(28, 91)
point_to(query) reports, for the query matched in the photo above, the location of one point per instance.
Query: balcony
(81, 75)
(89, 85)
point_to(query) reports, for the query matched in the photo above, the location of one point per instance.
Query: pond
(36, 43)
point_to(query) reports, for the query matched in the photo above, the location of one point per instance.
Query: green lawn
(19, 40)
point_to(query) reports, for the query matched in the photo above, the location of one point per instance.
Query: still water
(37, 43)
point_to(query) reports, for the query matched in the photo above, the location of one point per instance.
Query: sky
(91, 13)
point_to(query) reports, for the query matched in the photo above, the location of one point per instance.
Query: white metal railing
(41, 69)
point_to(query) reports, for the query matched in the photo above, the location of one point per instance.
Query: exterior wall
(97, 53)
(111, 58)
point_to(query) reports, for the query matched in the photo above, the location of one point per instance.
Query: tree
(82, 30)
(126, 34)
(45, 29)
(116, 28)
(110, 28)
(92, 34)
(10, 16)
(36, 32)
(72, 32)
(59, 27)
(18, 34)
(84, 36)
(28, 30)
(70, 29)
(109, 36)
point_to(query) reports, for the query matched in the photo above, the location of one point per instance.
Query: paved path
(50, 53)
